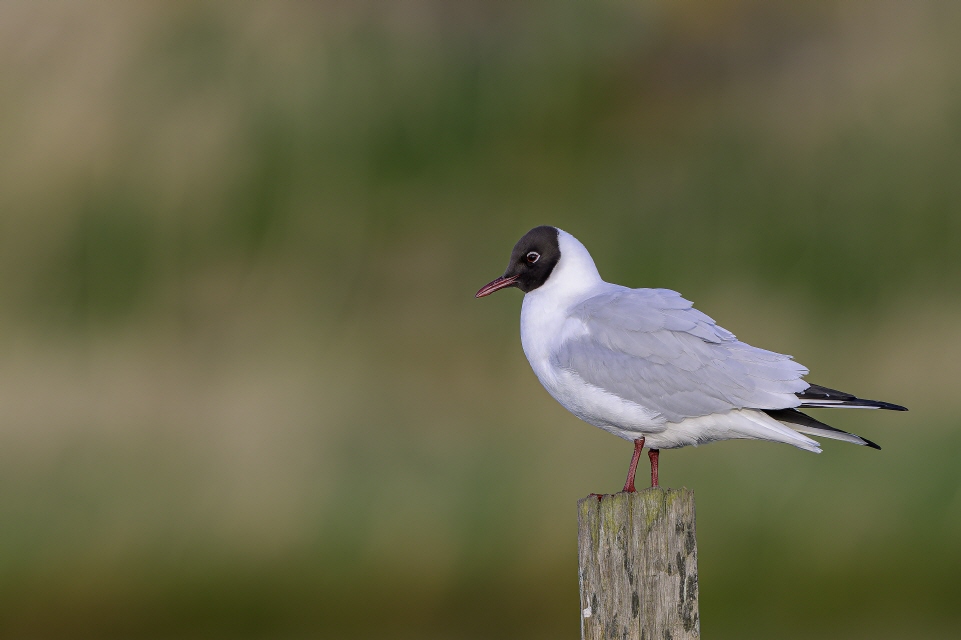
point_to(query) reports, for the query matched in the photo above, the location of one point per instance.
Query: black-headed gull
(645, 365)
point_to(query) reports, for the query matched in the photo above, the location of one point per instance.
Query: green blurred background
(245, 390)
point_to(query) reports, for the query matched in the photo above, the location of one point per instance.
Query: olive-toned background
(245, 390)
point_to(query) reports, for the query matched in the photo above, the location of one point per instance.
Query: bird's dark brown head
(533, 259)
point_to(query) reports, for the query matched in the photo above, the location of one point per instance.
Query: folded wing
(650, 346)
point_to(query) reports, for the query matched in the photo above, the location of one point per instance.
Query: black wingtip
(808, 425)
(816, 393)
(886, 405)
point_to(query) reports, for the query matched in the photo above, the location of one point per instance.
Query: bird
(646, 366)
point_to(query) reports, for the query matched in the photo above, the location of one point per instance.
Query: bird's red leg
(629, 483)
(652, 454)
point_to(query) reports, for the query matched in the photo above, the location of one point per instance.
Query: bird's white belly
(543, 328)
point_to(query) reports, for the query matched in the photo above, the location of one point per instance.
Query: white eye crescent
(533, 257)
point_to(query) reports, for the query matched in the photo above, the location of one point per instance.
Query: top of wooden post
(638, 565)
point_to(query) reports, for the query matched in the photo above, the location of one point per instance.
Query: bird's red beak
(494, 285)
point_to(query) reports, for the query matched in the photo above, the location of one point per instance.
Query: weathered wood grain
(637, 556)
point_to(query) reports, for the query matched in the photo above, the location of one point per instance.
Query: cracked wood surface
(637, 557)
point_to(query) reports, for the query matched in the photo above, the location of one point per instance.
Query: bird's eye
(533, 257)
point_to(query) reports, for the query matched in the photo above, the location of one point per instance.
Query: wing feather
(651, 347)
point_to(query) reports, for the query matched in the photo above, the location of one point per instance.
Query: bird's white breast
(546, 324)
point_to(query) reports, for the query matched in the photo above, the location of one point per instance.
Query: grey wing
(650, 346)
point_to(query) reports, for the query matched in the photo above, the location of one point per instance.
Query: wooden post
(637, 556)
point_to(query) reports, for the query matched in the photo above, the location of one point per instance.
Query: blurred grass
(245, 388)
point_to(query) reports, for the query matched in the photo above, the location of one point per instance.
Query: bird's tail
(760, 426)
